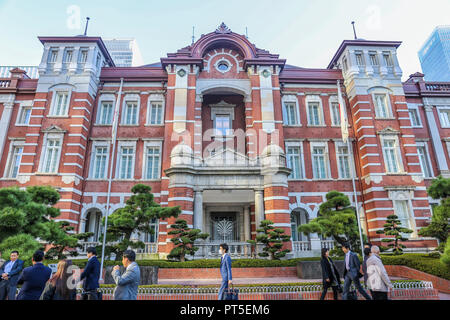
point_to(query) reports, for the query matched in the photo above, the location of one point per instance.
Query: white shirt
(9, 266)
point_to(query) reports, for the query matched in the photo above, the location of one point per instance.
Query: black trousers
(325, 289)
(379, 295)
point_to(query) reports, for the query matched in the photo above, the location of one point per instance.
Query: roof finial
(354, 31)
(246, 32)
(193, 36)
(223, 28)
(85, 29)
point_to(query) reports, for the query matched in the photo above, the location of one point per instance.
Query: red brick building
(229, 132)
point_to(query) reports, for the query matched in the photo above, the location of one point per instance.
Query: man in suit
(91, 275)
(34, 278)
(225, 270)
(128, 282)
(351, 273)
(10, 272)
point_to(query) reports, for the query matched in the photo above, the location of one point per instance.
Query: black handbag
(232, 294)
(351, 295)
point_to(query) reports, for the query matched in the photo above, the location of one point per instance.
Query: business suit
(225, 271)
(127, 283)
(8, 287)
(352, 275)
(327, 273)
(33, 281)
(91, 275)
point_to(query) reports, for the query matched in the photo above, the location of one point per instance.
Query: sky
(306, 33)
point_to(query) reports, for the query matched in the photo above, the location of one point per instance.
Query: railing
(301, 246)
(5, 83)
(237, 250)
(150, 247)
(327, 244)
(86, 245)
(437, 86)
(401, 290)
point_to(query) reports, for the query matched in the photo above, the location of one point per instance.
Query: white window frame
(135, 98)
(389, 62)
(361, 55)
(388, 105)
(322, 144)
(290, 99)
(55, 91)
(445, 122)
(340, 144)
(155, 98)
(80, 55)
(50, 59)
(95, 145)
(147, 144)
(375, 62)
(427, 158)
(66, 52)
(105, 98)
(406, 195)
(334, 99)
(220, 109)
(296, 144)
(119, 163)
(12, 145)
(398, 154)
(416, 109)
(24, 105)
(314, 99)
(44, 152)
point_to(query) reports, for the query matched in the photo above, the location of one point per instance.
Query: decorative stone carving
(23, 178)
(223, 29)
(68, 179)
(181, 155)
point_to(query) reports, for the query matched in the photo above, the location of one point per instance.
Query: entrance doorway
(224, 227)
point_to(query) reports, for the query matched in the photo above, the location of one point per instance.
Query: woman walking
(378, 280)
(330, 275)
(59, 287)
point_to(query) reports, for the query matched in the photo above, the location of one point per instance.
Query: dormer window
(68, 54)
(83, 55)
(53, 55)
(387, 59)
(373, 58)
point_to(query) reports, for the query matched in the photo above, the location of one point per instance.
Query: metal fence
(402, 290)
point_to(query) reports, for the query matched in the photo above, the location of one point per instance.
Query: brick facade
(277, 115)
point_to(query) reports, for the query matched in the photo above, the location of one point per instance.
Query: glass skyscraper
(434, 55)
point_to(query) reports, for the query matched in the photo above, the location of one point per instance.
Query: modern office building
(229, 132)
(124, 52)
(434, 55)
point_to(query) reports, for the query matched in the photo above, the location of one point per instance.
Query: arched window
(299, 217)
(93, 223)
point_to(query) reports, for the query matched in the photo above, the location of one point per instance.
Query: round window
(222, 66)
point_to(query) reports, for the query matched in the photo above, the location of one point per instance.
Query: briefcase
(351, 295)
(232, 294)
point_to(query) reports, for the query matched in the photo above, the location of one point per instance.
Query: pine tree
(393, 227)
(273, 239)
(183, 240)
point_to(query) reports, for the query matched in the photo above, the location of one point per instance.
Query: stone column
(436, 138)
(198, 209)
(241, 226)
(247, 235)
(369, 68)
(259, 207)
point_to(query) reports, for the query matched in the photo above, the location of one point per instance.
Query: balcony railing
(237, 250)
(437, 86)
(301, 246)
(5, 83)
(327, 244)
(150, 247)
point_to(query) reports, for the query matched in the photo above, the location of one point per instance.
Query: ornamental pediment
(388, 131)
(54, 129)
(226, 157)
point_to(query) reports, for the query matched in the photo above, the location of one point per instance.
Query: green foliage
(135, 217)
(29, 212)
(335, 219)
(445, 259)
(273, 239)
(439, 227)
(24, 243)
(393, 228)
(183, 240)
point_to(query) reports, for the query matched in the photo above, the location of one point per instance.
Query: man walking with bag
(91, 275)
(225, 271)
(351, 273)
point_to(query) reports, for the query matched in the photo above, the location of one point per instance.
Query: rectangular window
(53, 55)
(106, 113)
(68, 53)
(152, 158)
(359, 59)
(294, 162)
(14, 161)
(52, 154)
(130, 114)
(373, 59)
(318, 163)
(314, 113)
(402, 212)
(424, 163)
(335, 114)
(83, 55)
(445, 117)
(98, 61)
(387, 59)
(156, 113)
(24, 115)
(291, 113)
(414, 116)
(222, 124)
(343, 162)
(126, 163)
(61, 104)
(100, 164)
(381, 106)
(344, 64)
(391, 158)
